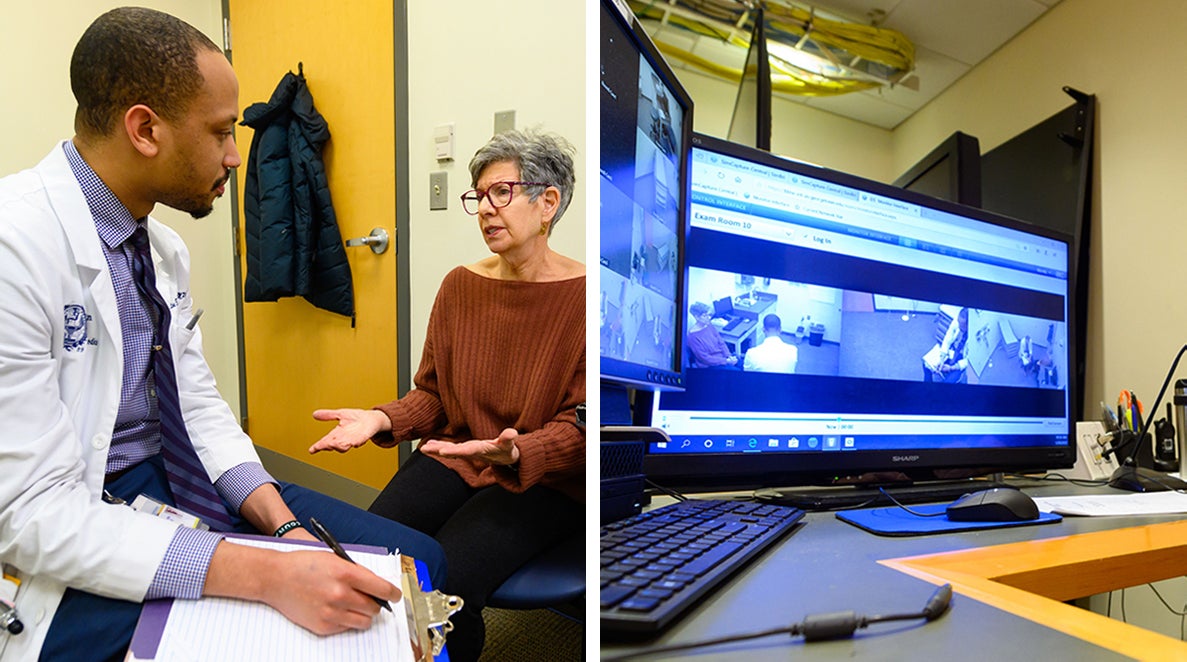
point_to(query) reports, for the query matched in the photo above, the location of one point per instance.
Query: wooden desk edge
(1028, 579)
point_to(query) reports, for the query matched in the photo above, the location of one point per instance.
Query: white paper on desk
(1138, 503)
(226, 629)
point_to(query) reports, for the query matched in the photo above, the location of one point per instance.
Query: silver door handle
(377, 240)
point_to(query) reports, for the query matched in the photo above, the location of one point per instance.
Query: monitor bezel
(726, 471)
(617, 373)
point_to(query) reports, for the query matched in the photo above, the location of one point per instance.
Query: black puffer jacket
(294, 247)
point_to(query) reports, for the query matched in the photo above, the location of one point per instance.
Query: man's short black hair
(130, 56)
(772, 322)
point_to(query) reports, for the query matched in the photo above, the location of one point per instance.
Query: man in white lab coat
(772, 354)
(78, 389)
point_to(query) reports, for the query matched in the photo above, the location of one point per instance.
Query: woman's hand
(355, 427)
(498, 451)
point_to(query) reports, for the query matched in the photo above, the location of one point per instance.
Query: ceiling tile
(672, 35)
(968, 30)
(721, 52)
(950, 36)
(871, 110)
(858, 11)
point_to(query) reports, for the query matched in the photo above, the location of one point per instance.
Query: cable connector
(835, 625)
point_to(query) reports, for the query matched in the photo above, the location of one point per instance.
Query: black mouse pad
(894, 521)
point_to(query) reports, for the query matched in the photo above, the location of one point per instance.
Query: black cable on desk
(1104, 482)
(916, 513)
(869, 502)
(672, 493)
(1083, 482)
(817, 627)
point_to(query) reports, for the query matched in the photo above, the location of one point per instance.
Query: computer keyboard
(657, 564)
(729, 326)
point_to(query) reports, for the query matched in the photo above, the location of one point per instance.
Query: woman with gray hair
(704, 341)
(499, 474)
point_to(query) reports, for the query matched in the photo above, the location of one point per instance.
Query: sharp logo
(905, 458)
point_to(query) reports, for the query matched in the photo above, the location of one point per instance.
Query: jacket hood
(291, 97)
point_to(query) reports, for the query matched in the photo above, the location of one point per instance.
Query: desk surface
(828, 565)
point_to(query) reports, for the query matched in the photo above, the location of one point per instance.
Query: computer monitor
(1044, 175)
(750, 123)
(723, 306)
(646, 130)
(918, 339)
(951, 171)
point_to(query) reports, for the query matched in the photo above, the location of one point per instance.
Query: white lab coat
(772, 355)
(60, 377)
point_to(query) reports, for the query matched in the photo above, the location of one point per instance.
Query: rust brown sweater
(502, 354)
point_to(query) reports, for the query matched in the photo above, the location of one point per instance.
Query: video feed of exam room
(850, 333)
(638, 279)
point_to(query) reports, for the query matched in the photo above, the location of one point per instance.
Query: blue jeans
(91, 627)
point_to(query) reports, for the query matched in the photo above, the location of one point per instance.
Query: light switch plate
(438, 190)
(504, 121)
(443, 142)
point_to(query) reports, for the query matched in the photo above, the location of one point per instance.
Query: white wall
(470, 59)
(37, 109)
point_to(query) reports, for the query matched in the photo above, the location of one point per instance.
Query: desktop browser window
(861, 321)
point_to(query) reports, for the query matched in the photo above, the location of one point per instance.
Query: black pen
(324, 536)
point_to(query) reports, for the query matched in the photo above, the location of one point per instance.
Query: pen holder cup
(1123, 442)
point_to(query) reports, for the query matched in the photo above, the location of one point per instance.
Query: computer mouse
(1000, 504)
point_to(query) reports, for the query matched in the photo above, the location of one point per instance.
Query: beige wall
(1137, 321)
(469, 60)
(36, 106)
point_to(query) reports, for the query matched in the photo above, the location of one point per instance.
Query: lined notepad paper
(226, 629)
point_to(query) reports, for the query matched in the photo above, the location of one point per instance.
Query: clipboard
(934, 358)
(428, 611)
(163, 631)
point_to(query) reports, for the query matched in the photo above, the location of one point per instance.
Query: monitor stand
(871, 495)
(615, 405)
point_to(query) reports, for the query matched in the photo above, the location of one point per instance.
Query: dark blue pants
(91, 627)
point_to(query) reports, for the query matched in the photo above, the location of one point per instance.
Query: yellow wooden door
(297, 357)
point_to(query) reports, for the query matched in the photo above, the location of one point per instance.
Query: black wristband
(286, 527)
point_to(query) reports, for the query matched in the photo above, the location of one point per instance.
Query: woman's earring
(543, 229)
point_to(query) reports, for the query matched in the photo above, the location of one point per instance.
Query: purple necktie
(192, 489)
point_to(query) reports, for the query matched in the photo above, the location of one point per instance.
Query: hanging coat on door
(294, 247)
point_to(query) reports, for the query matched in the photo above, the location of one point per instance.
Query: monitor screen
(723, 306)
(874, 332)
(646, 128)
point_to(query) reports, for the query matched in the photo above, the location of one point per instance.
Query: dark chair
(554, 580)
